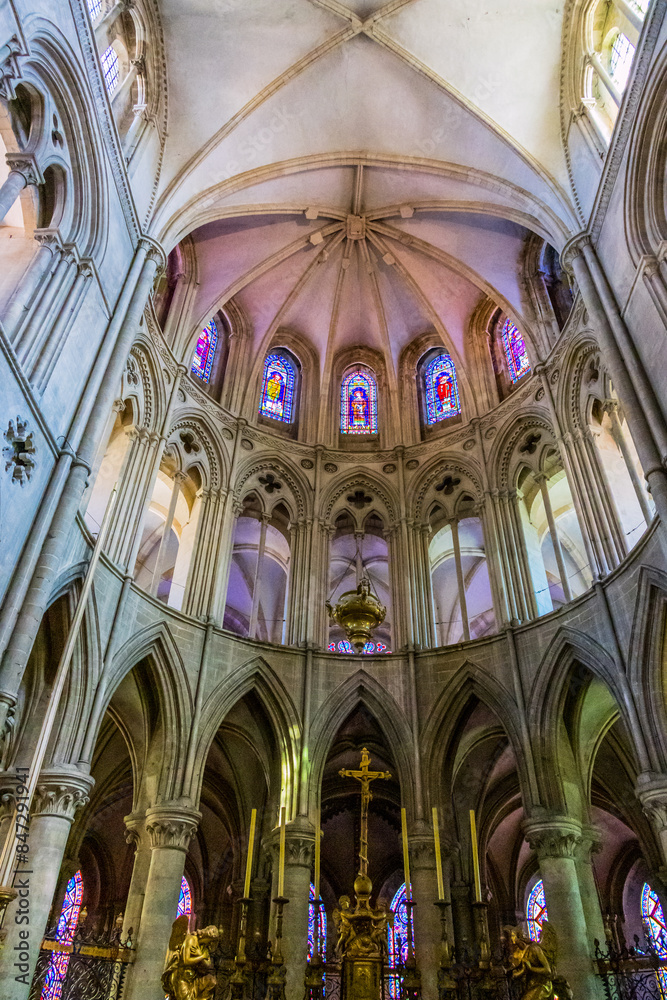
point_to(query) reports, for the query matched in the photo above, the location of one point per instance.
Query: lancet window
(202, 361)
(184, 899)
(278, 388)
(359, 403)
(516, 355)
(65, 931)
(111, 68)
(312, 927)
(655, 929)
(610, 49)
(536, 911)
(441, 390)
(398, 939)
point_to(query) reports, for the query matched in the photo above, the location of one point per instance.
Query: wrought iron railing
(95, 971)
(637, 972)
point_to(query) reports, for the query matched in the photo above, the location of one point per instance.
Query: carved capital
(26, 165)
(61, 794)
(154, 253)
(652, 793)
(135, 828)
(171, 826)
(556, 837)
(573, 249)
(299, 844)
(10, 70)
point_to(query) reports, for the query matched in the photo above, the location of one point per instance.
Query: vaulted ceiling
(363, 171)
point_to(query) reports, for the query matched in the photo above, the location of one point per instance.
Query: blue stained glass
(515, 351)
(398, 940)
(345, 647)
(655, 929)
(332, 647)
(184, 899)
(110, 68)
(536, 911)
(94, 6)
(441, 389)
(277, 400)
(359, 404)
(311, 927)
(202, 361)
(369, 648)
(65, 931)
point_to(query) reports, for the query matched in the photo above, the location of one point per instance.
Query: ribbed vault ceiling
(362, 172)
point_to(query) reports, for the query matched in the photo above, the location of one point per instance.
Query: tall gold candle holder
(275, 984)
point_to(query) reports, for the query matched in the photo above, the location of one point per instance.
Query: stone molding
(556, 837)
(61, 794)
(651, 791)
(299, 843)
(171, 826)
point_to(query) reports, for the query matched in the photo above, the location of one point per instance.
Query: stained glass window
(620, 61)
(277, 400)
(110, 68)
(398, 940)
(359, 404)
(202, 362)
(345, 647)
(515, 351)
(184, 899)
(536, 911)
(441, 388)
(640, 5)
(65, 931)
(655, 929)
(311, 927)
(94, 6)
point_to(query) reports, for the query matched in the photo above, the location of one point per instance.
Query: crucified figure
(365, 777)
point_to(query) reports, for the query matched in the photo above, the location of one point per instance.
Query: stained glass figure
(184, 899)
(65, 931)
(398, 940)
(441, 389)
(110, 68)
(536, 911)
(311, 927)
(515, 351)
(359, 404)
(277, 400)
(202, 361)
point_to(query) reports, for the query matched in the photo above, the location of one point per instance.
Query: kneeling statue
(189, 974)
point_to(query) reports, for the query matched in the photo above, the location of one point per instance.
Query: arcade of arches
(332, 291)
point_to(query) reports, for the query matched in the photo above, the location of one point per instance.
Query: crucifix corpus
(364, 776)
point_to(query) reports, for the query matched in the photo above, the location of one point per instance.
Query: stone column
(170, 829)
(178, 479)
(426, 915)
(252, 630)
(299, 852)
(541, 481)
(460, 581)
(136, 834)
(23, 171)
(59, 795)
(651, 791)
(556, 841)
(201, 577)
(590, 898)
(619, 438)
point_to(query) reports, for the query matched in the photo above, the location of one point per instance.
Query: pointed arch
(472, 683)
(258, 677)
(646, 666)
(361, 688)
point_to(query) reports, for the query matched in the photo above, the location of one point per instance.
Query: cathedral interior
(333, 393)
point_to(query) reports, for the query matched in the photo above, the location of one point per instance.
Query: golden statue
(534, 961)
(189, 974)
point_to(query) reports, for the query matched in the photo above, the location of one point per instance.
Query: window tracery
(202, 361)
(278, 385)
(536, 911)
(441, 389)
(65, 931)
(655, 929)
(94, 8)
(358, 403)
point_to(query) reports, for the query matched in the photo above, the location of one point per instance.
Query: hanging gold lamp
(358, 612)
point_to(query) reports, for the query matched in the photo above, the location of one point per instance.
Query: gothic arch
(255, 676)
(359, 479)
(419, 496)
(504, 459)
(196, 441)
(361, 688)
(297, 499)
(645, 666)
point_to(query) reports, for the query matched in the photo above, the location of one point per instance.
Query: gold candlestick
(318, 836)
(281, 858)
(406, 854)
(248, 863)
(438, 857)
(475, 858)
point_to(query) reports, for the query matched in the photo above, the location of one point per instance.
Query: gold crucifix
(365, 777)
